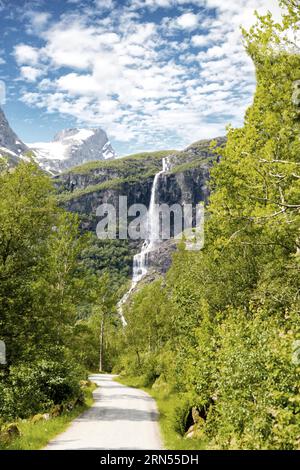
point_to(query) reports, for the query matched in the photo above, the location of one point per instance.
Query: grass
(121, 163)
(35, 436)
(114, 184)
(111, 184)
(135, 168)
(166, 403)
(132, 169)
(193, 164)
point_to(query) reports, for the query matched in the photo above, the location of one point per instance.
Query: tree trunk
(101, 344)
(138, 358)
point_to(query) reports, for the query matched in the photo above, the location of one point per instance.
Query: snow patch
(72, 147)
(10, 152)
(82, 134)
(52, 150)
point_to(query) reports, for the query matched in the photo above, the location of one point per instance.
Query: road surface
(120, 418)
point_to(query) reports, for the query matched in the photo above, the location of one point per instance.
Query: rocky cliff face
(185, 186)
(86, 204)
(11, 146)
(82, 190)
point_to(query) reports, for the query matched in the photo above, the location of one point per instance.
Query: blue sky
(154, 74)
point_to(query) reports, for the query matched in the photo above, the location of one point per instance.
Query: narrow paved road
(120, 418)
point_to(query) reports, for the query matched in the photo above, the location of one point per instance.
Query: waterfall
(140, 260)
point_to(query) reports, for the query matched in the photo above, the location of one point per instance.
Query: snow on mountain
(72, 147)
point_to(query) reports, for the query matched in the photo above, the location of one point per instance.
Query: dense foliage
(50, 281)
(36, 387)
(222, 329)
(38, 251)
(113, 256)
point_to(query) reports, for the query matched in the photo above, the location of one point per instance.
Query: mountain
(82, 189)
(133, 176)
(72, 147)
(11, 146)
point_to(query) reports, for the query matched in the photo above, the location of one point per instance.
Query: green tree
(39, 247)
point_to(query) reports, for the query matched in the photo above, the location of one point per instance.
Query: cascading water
(140, 260)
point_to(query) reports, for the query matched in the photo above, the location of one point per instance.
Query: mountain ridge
(11, 146)
(69, 147)
(73, 147)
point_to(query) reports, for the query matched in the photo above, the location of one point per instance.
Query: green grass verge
(35, 436)
(166, 403)
(193, 164)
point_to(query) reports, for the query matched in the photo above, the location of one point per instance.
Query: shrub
(150, 370)
(182, 417)
(32, 389)
(9, 432)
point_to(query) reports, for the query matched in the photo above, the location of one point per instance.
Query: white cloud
(140, 80)
(104, 4)
(151, 4)
(30, 74)
(187, 21)
(37, 20)
(200, 40)
(76, 84)
(233, 8)
(25, 54)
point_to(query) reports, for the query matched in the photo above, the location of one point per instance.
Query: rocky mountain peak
(10, 144)
(72, 147)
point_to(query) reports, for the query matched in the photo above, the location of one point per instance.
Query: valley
(123, 337)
